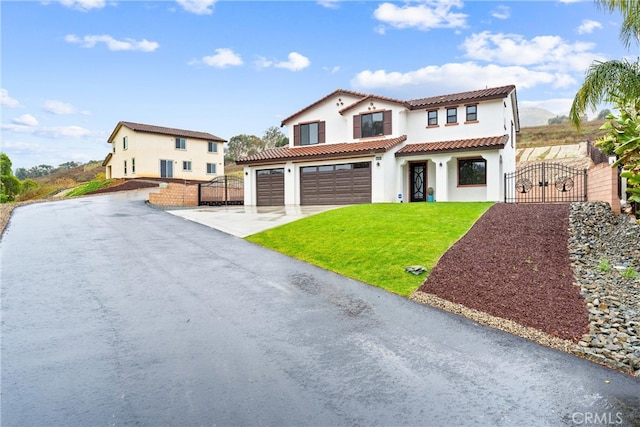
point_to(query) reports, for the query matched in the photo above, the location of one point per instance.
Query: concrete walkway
(243, 221)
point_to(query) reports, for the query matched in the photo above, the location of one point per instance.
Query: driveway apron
(115, 313)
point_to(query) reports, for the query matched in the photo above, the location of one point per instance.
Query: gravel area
(578, 305)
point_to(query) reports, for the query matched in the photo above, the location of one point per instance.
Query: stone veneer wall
(176, 195)
(602, 185)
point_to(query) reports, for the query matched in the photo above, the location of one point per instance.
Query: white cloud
(501, 12)
(6, 100)
(26, 120)
(550, 53)
(57, 107)
(423, 15)
(223, 58)
(83, 5)
(460, 77)
(329, 4)
(332, 70)
(112, 44)
(199, 7)
(53, 132)
(588, 26)
(296, 62)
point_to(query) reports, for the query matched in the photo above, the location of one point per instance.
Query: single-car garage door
(270, 187)
(343, 184)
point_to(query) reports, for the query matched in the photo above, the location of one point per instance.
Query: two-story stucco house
(146, 151)
(350, 147)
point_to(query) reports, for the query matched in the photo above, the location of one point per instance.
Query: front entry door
(166, 168)
(418, 177)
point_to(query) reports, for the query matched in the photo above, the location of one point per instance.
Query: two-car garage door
(342, 184)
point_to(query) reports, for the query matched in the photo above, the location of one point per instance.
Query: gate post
(199, 193)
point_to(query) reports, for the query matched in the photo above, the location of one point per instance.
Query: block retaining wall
(176, 194)
(602, 185)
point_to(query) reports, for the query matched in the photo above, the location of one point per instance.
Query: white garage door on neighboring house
(342, 184)
(270, 187)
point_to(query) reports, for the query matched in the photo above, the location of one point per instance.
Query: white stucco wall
(148, 149)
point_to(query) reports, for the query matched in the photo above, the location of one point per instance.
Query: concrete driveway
(243, 221)
(115, 313)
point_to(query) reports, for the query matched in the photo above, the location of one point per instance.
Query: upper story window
(472, 172)
(181, 144)
(186, 165)
(114, 146)
(212, 147)
(125, 142)
(372, 124)
(309, 133)
(472, 113)
(452, 115)
(432, 118)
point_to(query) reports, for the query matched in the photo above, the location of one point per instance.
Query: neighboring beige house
(147, 151)
(351, 147)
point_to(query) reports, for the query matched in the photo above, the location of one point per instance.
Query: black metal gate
(546, 183)
(222, 190)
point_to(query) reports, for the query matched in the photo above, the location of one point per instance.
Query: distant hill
(559, 134)
(535, 116)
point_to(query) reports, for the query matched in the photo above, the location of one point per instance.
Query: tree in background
(273, 137)
(243, 145)
(602, 115)
(10, 184)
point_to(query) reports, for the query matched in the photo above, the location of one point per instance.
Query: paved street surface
(116, 313)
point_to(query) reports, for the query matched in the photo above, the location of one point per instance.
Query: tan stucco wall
(148, 149)
(602, 185)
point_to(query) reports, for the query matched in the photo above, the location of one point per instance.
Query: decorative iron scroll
(545, 183)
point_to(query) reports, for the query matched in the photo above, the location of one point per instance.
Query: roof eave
(449, 150)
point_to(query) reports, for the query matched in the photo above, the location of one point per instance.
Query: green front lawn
(374, 243)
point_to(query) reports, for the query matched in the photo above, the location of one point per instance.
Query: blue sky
(71, 69)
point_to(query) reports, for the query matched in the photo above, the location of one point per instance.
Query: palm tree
(610, 81)
(630, 10)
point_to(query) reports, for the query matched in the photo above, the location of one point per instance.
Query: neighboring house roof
(106, 160)
(489, 143)
(139, 127)
(323, 151)
(474, 95)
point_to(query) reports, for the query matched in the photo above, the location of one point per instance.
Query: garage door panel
(341, 184)
(270, 187)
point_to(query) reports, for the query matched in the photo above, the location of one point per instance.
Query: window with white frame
(212, 147)
(186, 165)
(211, 168)
(133, 165)
(181, 144)
(125, 142)
(125, 167)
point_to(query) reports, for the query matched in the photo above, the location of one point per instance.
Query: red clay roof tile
(456, 98)
(489, 143)
(323, 151)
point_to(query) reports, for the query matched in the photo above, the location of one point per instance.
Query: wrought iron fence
(222, 190)
(546, 183)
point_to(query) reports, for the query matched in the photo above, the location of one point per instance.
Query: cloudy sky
(71, 69)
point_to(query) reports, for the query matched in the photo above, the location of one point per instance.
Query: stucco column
(494, 177)
(442, 178)
(249, 186)
(401, 180)
(290, 187)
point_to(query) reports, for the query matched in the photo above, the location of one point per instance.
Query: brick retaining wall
(176, 194)
(602, 185)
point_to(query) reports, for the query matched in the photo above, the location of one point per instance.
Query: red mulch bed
(514, 264)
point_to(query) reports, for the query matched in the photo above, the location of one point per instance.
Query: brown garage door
(270, 187)
(343, 184)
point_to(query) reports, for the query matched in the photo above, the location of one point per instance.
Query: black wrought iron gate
(222, 190)
(546, 183)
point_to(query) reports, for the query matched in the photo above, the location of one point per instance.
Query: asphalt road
(115, 313)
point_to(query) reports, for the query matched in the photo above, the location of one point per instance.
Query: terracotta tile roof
(456, 98)
(139, 127)
(336, 92)
(489, 143)
(369, 98)
(323, 151)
